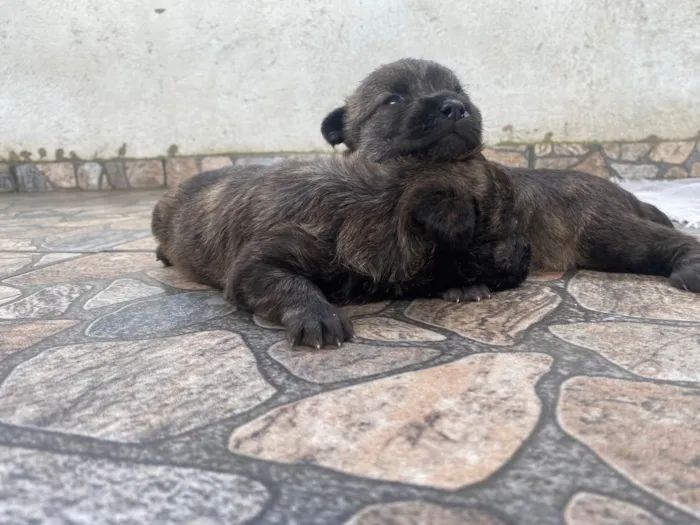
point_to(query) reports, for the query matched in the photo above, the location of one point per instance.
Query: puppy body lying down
(286, 241)
(572, 219)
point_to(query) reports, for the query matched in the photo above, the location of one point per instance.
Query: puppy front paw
(687, 277)
(160, 256)
(318, 325)
(467, 293)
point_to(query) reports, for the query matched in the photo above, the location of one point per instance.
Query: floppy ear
(332, 127)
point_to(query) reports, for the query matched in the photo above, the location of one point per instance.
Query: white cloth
(679, 199)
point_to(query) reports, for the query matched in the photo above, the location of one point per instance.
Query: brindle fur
(288, 240)
(572, 219)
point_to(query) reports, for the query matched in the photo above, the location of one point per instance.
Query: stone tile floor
(129, 395)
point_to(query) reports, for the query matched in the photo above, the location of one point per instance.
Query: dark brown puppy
(572, 219)
(283, 241)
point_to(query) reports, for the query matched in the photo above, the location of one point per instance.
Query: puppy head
(409, 108)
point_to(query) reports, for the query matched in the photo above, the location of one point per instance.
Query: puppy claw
(468, 293)
(318, 325)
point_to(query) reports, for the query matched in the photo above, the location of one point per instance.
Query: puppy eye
(394, 99)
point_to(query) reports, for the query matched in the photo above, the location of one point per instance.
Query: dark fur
(288, 240)
(572, 219)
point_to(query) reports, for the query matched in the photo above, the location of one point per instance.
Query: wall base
(631, 160)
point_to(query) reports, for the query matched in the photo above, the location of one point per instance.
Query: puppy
(287, 241)
(572, 219)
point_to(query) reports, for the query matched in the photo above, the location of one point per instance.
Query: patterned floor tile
(135, 391)
(8, 244)
(97, 266)
(30, 234)
(14, 336)
(445, 427)
(87, 221)
(156, 316)
(51, 301)
(386, 329)
(51, 258)
(419, 513)
(147, 244)
(649, 432)
(356, 310)
(499, 321)
(571, 399)
(138, 225)
(93, 241)
(13, 262)
(175, 278)
(351, 362)
(659, 352)
(634, 296)
(593, 509)
(55, 235)
(26, 223)
(8, 294)
(121, 291)
(33, 485)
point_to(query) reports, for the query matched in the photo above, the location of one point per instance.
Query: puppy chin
(448, 144)
(454, 141)
(451, 148)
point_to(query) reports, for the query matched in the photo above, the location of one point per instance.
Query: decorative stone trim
(7, 180)
(629, 160)
(90, 175)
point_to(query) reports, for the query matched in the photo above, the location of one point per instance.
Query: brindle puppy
(572, 219)
(283, 241)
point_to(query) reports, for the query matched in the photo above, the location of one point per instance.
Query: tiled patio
(131, 396)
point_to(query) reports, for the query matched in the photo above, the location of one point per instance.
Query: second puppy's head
(409, 108)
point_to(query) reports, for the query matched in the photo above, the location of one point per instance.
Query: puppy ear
(332, 127)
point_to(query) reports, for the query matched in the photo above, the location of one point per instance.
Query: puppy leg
(270, 278)
(633, 245)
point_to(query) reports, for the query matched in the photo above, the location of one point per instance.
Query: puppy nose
(453, 109)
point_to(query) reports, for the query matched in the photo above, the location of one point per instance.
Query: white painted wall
(259, 75)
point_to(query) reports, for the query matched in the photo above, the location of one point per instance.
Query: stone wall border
(628, 160)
